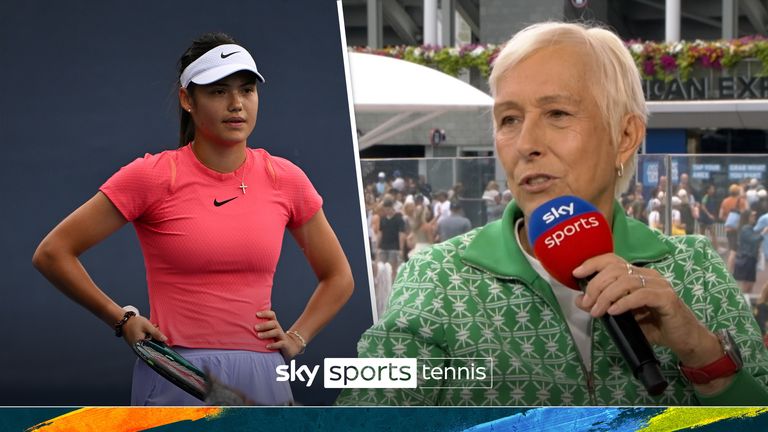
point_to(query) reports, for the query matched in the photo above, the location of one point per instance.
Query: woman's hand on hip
(271, 329)
(138, 328)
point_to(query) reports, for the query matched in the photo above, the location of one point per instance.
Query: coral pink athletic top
(210, 250)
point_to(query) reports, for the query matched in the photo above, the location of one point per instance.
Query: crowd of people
(742, 214)
(405, 215)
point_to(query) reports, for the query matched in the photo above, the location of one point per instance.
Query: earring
(620, 170)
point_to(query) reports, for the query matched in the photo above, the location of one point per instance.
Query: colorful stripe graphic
(618, 419)
(577, 419)
(674, 419)
(123, 419)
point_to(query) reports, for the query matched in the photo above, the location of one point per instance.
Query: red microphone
(567, 231)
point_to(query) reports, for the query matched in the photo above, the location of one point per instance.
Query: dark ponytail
(200, 46)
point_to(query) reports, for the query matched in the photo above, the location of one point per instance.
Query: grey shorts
(390, 256)
(249, 373)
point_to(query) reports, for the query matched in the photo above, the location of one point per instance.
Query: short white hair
(616, 86)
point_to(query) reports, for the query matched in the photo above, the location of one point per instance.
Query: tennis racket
(172, 366)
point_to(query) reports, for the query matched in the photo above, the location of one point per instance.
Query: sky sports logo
(393, 373)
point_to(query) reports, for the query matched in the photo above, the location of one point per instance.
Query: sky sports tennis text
(388, 372)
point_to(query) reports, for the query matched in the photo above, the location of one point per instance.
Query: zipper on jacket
(591, 386)
(588, 373)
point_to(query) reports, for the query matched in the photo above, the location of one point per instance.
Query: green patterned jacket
(476, 296)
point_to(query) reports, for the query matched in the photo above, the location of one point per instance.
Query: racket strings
(175, 369)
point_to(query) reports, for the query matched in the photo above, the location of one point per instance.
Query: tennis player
(210, 217)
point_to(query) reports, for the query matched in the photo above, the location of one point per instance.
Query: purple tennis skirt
(251, 374)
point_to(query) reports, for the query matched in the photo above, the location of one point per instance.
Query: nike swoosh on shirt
(227, 55)
(221, 203)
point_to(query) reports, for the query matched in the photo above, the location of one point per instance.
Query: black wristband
(121, 323)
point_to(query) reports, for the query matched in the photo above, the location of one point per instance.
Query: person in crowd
(568, 117)
(655, 217)
(422, 233)
(708, 215)
(398, 199)
(688, 211)
(660, 188)
(760, 311)
(424, 187)
(399, 182)
(637, 207)
(637, 191)
(745, 263)
(371, 219)
(392, 233)
(456, 193)
(506, 198)
(730, 214)
(637, 211)
(686, 186)
(381, 184)
(454, 224)
(382, 283)
(210, 248)
(420, 200)
(678, 228)
(492, 200)
(625, 200)
(761, 206)
(411, 188)
(441, 206)
(409, 207)
(750, 193)
(761, 227)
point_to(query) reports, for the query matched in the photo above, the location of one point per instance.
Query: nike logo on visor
(221, 203)
(227, 55)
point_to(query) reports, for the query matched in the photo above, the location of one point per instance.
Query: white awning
(415, 93)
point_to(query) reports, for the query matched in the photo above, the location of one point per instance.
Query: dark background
(88, 86)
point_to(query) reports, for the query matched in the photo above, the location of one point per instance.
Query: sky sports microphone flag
(567, 231)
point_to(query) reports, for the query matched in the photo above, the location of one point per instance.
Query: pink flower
(710, 58)
(649, 67)
(668, 63)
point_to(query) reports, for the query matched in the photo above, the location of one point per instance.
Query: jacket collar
(494, 249)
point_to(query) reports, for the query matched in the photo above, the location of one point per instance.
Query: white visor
(220, 62)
